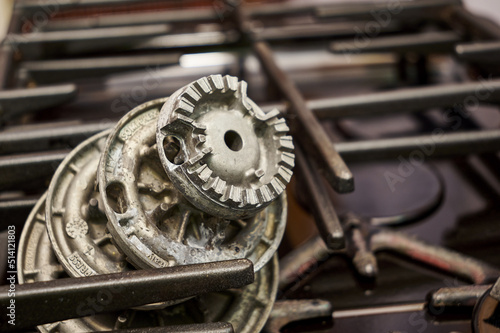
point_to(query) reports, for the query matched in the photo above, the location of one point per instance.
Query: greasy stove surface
(445, 199)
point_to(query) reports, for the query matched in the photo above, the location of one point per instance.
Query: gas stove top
(392, 210)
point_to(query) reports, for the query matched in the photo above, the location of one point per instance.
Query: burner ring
(75, 224)
(234, 159)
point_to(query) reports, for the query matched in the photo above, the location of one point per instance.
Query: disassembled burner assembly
(153, 223)
(111, 207)
(247, 308)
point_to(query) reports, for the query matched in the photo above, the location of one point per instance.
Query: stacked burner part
(194, 178)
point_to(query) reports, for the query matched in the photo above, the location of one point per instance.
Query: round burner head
(227, 156)
(152, 222)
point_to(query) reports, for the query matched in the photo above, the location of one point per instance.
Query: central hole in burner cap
(233, 140)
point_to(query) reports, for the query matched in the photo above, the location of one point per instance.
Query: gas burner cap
(227, 157)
